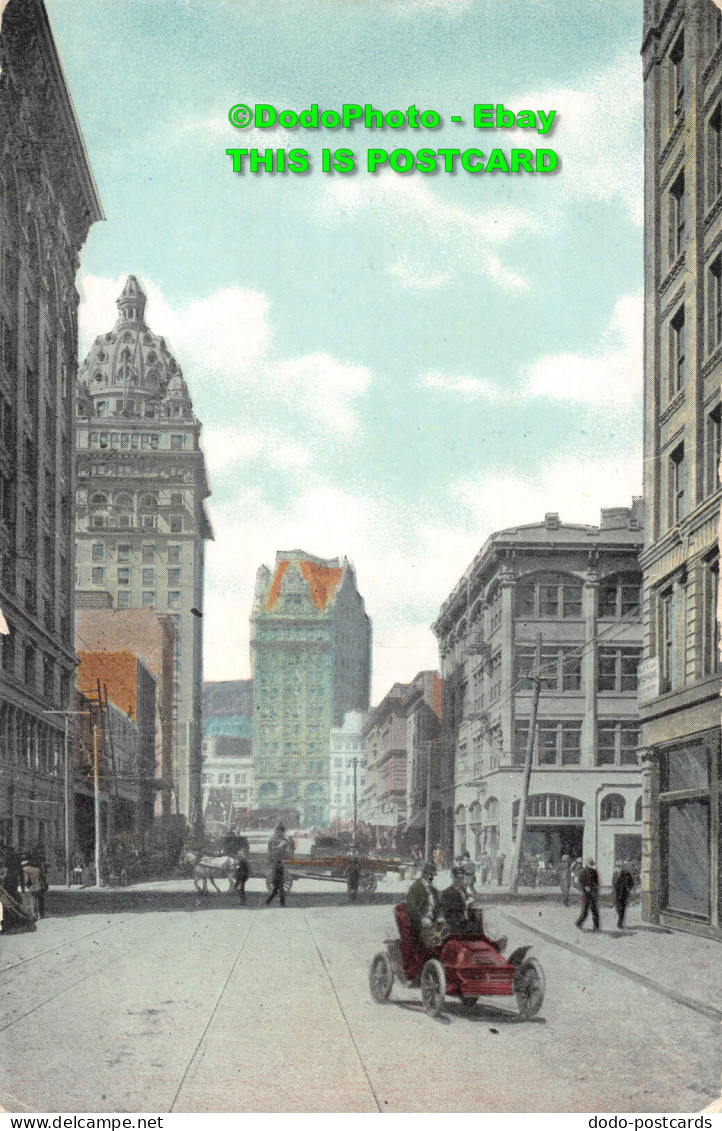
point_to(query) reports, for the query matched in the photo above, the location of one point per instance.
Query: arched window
(148, 502)
(461, 814)
(491, 810)
(124, 501)
(99, 500)
(638, 810)
(612, 808)
(549, 596)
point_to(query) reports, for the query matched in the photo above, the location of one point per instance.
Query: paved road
(153, 1000)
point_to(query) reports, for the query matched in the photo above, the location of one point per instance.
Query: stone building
(384, 798)
(680, 709)
(141, 518)
(227, 781)
(48, 201)
(578, 589)
(346, 760)
(311, 663)
(422, 707)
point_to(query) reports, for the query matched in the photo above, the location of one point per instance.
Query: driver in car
(423, 904)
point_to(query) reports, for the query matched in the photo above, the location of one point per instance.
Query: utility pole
(96, 796)
(355, 804)
(427, 824)
(521, 824)
(338, 803)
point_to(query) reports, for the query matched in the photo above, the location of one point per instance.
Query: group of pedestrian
(588, 882)
(23, 884)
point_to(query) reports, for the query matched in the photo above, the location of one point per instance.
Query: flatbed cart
(330, 868)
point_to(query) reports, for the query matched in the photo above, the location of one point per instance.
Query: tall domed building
(141, 518)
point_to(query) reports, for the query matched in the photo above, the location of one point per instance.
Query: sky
(388, 366)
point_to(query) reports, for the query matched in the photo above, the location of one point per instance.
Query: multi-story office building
(384, 798)
(347, 767)
(228, 707)
(422, 707)
(141, 518)
(48, 200)
(680, 709)
(311, 662)
(575, 592)
(227, 781)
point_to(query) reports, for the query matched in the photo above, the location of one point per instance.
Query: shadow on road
(117, 901)
(480, 1014)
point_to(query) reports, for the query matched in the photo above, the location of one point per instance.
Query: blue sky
(387, 366)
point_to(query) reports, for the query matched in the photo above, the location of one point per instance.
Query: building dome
(130, 371)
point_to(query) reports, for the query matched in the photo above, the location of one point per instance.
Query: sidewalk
(683, 967)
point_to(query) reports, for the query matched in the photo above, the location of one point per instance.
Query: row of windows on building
(224, 778)
(561, 668)
(124, 576)
(124, 551)
(559, 742)
(678, 345)
(23, 660)
(298, 768)
(142, 441)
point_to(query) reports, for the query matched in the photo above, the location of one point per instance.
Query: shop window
(685, 846)
(685, 768)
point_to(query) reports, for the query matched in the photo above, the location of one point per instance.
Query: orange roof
(323, 581)
(118, 675)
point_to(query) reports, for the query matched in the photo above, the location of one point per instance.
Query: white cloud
(464, 385)
(598, 135)
(611, 377)
(463, 235)
(417, 277)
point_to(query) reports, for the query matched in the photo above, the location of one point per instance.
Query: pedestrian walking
(439, 858)
(278, 850)
(622, 884)
(484, 868)
(589, 883)
(353, 876)
(565, 878)
(241, 872)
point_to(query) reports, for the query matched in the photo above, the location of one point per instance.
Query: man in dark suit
(423, 904)
(622, 884)
(589, 883)
(278, 850)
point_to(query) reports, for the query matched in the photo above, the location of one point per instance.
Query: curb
(640, 979)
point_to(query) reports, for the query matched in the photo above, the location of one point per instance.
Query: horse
(211, 868)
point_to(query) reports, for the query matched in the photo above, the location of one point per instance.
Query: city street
(153, 999)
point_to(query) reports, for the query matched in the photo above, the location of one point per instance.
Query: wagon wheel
(368, 882)
(529, 988)
(381, 978)
(433, 987)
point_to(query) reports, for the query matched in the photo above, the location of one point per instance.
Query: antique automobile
(463, 966)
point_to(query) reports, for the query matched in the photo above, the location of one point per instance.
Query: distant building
(228, 707)
(311, 662)
(128, 756)
(227, 780)
(346, 759)
(150, 637)
(680, 707)
(422, 706)
(578, 588)
(141, 518)
(48, 201)
(384, 799)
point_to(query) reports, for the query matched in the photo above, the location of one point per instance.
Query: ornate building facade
(578, 589)
(682, 53)
(48, 201)
(311, 662)
(141, 518)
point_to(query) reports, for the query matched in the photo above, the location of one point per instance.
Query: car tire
(381, 978)
(529, 988)
(433, 987)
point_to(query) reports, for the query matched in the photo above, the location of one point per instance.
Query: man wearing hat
(565, 877)
(423, 904)
(589, 883)
(278, 850)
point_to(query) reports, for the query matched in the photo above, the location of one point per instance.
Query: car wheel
(433, 987)
(381, 978)
(529, 988)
